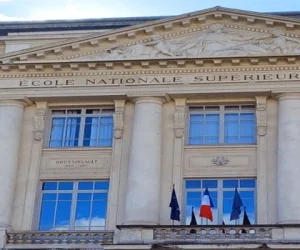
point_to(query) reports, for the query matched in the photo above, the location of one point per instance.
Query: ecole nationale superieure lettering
(192, 79)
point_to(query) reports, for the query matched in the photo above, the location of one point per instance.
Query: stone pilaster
(35, 164)
(143, 183)
(179, 130)
(116, 164)
(261, 160)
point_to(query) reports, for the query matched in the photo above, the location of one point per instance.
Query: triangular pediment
(216, 32)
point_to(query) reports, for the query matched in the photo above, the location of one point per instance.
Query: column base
(140, 222)
(288, 222)
(3, 238)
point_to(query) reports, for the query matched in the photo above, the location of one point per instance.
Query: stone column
(288, 175)
(143, 183)
(11, 115)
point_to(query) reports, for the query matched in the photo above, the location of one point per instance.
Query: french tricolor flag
(206, 206)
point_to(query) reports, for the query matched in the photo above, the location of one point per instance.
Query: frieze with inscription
(151, 80)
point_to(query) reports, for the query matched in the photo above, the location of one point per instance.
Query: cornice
(185, 21)
(152, 66)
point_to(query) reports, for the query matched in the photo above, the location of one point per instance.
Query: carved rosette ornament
(39, 120)
(179, 117)
(119, 119)
(261, 115)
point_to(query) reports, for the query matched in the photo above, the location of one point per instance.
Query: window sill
(79, 149)
(220, 146)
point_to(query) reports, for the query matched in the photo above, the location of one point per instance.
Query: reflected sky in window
(74, 205)
(222, 194)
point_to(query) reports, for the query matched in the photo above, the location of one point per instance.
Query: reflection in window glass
(73, 205)
(222, 125)
(86, 127)
(222, 194)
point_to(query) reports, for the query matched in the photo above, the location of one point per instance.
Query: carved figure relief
(217, 40)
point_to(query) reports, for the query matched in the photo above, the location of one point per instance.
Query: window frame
(220, 192)
(221, 113)
(83, 115)
(74, 192)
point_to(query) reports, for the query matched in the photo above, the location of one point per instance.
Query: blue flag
(236, 206)
(175, 211)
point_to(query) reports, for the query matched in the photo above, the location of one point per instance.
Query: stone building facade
(100, 118)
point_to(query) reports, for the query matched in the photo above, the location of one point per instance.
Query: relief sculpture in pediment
(217, 40)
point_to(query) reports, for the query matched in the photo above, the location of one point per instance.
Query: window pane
(63, 213)
(231, 128)
(212, 129)
(247, 128)
(65, 186)
(57, 132)
(49, 197)
(84, 196)
(193, 195)
(100, 196)
(106, 131)
(82, 217)
(72, 132)
(230, 183)
(47, 215)
(227, 207)
(49, 186)
(65, 197)
(99, 185)
(196, 129)
(86, 185)
(209, 183)
(247, 183)
(98, 214)
(91, 131)
(192, 184)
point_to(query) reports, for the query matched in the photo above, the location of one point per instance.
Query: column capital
(15, 103)
(149, 99)
(287, 96)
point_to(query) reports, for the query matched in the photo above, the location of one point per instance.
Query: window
(229, 124)
(73, 205)
(222, 194)
(81, 127)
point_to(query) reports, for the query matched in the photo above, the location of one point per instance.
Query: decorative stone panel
(219, 161)
(72, 164)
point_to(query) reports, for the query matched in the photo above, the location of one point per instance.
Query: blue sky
(72, 9)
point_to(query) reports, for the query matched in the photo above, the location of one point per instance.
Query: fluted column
(11, 116)
(288, 180)
(143, 183)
